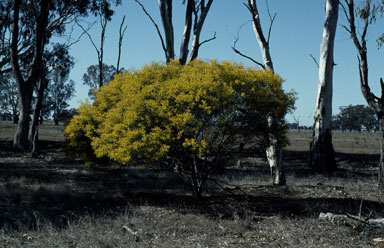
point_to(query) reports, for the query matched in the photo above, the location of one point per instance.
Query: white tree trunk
(321, 151)
(275, 157)
(273, 151)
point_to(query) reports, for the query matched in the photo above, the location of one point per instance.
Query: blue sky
(296, 33)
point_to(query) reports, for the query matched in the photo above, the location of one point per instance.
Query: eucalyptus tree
(322, 157)
(92, 77)
(104, 13)
(367, 14)
(195, 16)
(38, 21)
(273, 147)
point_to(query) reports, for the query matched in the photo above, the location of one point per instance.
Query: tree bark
(20, 141)
(275, 157)
(322, 158)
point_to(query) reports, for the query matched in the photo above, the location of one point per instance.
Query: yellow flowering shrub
(188, 116)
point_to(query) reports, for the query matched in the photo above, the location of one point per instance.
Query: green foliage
(91, 77)
(188, 117)
(355, 117)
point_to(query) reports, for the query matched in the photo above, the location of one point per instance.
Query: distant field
(346, 142)
(47, 131)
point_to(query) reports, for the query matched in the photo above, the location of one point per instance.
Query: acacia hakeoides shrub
(186, 117)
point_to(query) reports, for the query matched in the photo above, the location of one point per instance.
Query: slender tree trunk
(101, 53)
(381, 164)
(273, 151)
(34, 134)
(187, 32)
(198, 26)
(166, 18)
(121, 36)
(322, 157)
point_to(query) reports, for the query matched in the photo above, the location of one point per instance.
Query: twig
(245, 56)
(314, 59)
(208, 40)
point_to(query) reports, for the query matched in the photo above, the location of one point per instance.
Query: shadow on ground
(59, 190)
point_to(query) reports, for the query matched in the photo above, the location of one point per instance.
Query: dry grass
(56, 202)
(344, 142)
(47, 131)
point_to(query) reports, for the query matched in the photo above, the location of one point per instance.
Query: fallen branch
(346, 218)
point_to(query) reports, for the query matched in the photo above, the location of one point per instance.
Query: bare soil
(54, 201)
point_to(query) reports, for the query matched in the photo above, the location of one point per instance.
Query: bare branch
(314, 59)
(247, 57)
(155, 24)
(271, 19)
(69, 44)
(121, 36)
(208, 40)
(346, 29)
(89, 36)
(237, 38)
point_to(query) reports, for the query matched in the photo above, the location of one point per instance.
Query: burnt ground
(57, 201)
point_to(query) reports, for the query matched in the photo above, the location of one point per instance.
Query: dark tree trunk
(322, 158)
(20, 141)
(34, 134)
(187, 32)
(381, 164)
(15, 118)
(166, 18)
(25, 87)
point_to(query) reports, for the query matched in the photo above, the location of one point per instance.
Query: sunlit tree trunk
(187, 32)
(273, 150)
(322, 157)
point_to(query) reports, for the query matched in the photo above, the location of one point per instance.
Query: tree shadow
(61, 191)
